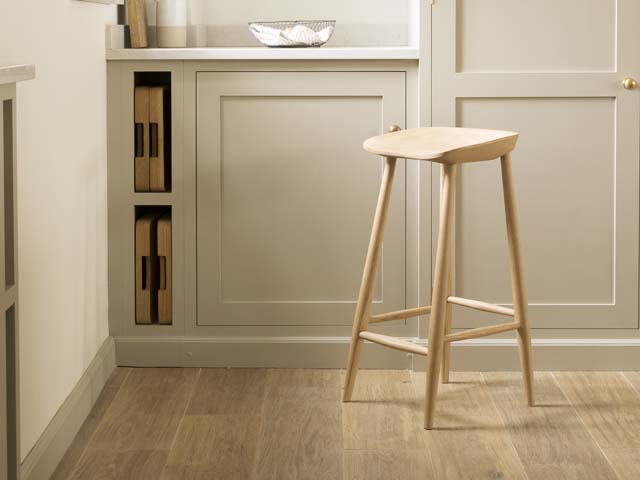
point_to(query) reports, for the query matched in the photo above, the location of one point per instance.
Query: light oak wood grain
(158, 159)
(228, 391)
(551, 440)
(469, 424)
(516, 267)
(482, 306)
(82, 438)
(365, 296)
(214, 446)
(407, 313)
(165, 284)
(625, 462)
(387, 465)
(301, 428)
(137, 23)
(634, 379)
(607, 404)
(481, 331)
(141, 119)
(384, 414)
(439, 305)
(147, 268)
(395, 343)
(443, 144)
(111, 465)
(291, 424)
(147, 410)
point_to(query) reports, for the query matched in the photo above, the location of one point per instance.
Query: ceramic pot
(171, 23)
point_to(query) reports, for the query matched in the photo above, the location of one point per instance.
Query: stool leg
(439, 296)
(446, 351)
(361, 318)
(517, 277)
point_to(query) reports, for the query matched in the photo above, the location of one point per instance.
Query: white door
(286, 195)
(551, 70)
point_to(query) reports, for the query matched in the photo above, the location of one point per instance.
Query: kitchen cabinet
(10, 456)
(553, 72)
(285, 195)
(272, 201)
(272, 196)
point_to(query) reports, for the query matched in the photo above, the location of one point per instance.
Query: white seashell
(298, 35)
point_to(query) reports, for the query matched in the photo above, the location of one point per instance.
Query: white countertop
(16, 73)
(265, 53)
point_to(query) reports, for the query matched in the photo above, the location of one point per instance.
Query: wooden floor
(228, 424)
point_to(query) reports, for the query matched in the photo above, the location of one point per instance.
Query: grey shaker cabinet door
(551, 70)
(286, 195)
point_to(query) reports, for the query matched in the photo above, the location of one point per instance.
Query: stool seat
(446, 145)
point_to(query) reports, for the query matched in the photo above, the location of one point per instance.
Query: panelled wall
(272, 201)
(553, 72)
(273, 198)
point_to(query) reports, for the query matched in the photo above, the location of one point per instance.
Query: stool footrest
(481, 332)
(483, 306)
(393, 342)
(410, 312)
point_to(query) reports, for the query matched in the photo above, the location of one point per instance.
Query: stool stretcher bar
(483, 306)
(393, 342)
(481, 332)
(411, 312)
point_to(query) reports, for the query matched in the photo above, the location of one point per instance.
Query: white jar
(171, 23)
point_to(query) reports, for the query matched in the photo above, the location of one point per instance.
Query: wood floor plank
(467, 423)
(386, 465)
(300, 433)
(118, 377)
(607, 404)
(626, 461)
(147, 410)
(81, 440)
(214, 447)
(634, 379)
(384, 413)
(383, 436)
(111, 465)
(290, 424)
(550, 439)
(228, 391)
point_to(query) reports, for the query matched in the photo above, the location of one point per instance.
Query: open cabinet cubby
(152, 131)
(153, 283)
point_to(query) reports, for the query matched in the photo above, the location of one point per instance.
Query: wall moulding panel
(253, 250)
(321, 89)
(272, 197)
(575, 165)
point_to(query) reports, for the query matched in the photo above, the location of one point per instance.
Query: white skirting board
(44, 457)
(331, 352)
(265, 352)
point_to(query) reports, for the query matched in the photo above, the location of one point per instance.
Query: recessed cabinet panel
(551, 70)
(286, 195)
(545, 35)
(566, 199)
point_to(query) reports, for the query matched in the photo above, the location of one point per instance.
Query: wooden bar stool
(449, 147)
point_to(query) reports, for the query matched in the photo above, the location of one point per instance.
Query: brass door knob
(394, 128)
(629, 83)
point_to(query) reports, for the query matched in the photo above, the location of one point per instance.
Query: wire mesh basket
(296, 33)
